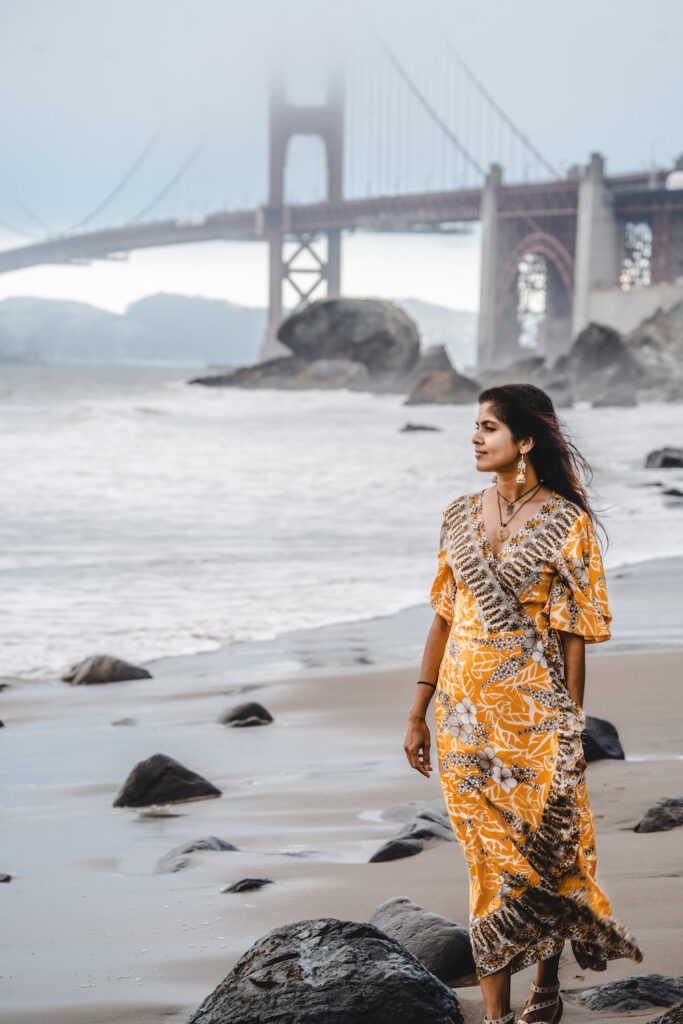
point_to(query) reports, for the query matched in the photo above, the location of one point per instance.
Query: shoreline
(306, 799)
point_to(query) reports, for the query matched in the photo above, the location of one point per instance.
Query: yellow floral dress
(508, 735)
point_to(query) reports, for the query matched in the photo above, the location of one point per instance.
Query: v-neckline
(487, 543)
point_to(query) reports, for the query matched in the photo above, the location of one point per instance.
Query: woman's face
(493, 445)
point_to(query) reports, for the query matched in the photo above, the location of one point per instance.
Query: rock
(601, 740)
(249, 713)
(4, 877)
(428, 824)
(177, 858)
(2, 725)
(124, 721)
(632, 993)
(396, 848)
(373, 332)
(666, 814)
(248, 884)
(599, 363)
(162, 780)
(672, 492)
(408, 427)
(326, 971)
(443, 387)
(294, 373)
(665, 458)
(672, 1016)
(102, 668)
(431, 360)
(439, 943)
(657, 344)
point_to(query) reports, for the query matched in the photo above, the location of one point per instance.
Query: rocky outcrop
(339, 972)
(601, 740)
(413, 428)
(162, 780)
(431, 360)
(666, 814)
(657, 344)
(246, 714)
(362, 344)
(102, 668)
(600, 364)
(177, 858)
(665, 458)
(439, 943)
(632, 993)
(294, 373)
(443, 387)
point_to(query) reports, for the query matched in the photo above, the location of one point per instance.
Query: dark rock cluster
(372, 345)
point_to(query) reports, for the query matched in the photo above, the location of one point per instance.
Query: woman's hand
(417, 744)
(581, 763)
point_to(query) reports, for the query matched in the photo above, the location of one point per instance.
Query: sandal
(544, 990)
(509, 1018)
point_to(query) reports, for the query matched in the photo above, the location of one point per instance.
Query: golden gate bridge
(407, 148)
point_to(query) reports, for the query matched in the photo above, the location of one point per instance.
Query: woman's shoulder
(459, 504)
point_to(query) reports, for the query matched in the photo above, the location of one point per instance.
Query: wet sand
(91, 934)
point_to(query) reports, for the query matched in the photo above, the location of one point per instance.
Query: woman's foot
(544, 1005)
(507, 1018)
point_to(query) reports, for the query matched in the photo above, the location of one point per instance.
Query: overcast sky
(89, 86)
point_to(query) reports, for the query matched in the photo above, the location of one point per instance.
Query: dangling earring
(494, 478)
(521, 471)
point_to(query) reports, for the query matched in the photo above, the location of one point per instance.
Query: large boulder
(443, 387)
(666, 814)
(439, 943)
(102, 668)
(632, 993)
(339, 972)
(598, 363)
(162, 780)
(178, 858)
(373, 332)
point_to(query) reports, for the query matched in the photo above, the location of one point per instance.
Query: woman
(520, 589)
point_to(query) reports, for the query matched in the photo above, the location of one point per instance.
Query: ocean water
(144, 517)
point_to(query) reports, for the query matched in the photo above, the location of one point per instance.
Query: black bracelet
(422, 682)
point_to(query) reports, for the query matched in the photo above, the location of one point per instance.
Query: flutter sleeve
(577, 602)
(442, 595)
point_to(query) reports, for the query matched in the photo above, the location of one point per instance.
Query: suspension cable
(121, 185)
(174, 180)
(422, 99)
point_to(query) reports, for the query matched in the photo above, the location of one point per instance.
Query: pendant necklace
(512, 503)
(502, 533)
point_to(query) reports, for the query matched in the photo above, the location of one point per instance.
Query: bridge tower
(307, 268)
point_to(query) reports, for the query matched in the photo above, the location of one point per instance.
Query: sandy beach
(93, 934)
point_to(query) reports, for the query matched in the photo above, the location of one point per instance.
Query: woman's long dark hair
(529, 412)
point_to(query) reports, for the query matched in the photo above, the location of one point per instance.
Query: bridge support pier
(596, 260)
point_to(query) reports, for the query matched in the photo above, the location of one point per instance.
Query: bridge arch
(559, 288)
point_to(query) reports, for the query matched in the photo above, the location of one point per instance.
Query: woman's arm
(575, 671)
(417, 736)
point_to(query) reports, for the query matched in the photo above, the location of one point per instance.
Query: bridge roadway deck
(429, 211)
